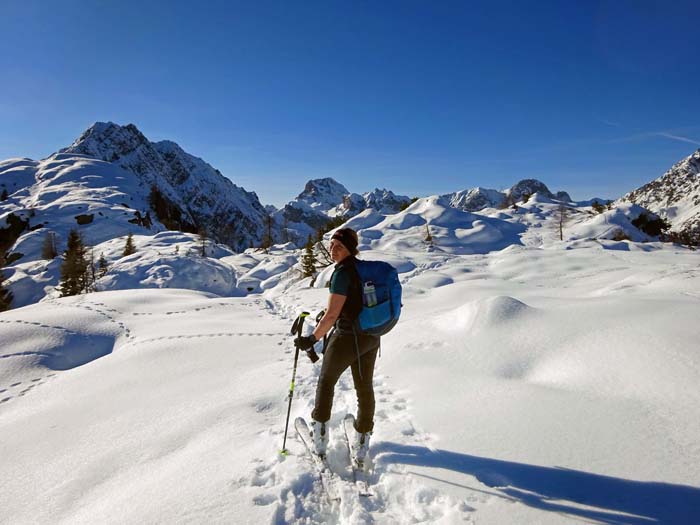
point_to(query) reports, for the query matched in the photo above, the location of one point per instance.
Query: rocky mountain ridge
(325, 199)
(204, 200)
(674, 196)
(477, 199)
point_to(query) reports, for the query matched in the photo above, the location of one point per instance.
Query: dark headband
(345, 235)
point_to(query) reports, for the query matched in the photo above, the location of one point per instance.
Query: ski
(359, 472)
(325, 473)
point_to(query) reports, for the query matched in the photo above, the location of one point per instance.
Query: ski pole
(296, 329)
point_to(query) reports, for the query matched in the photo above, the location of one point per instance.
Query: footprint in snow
(264, 499)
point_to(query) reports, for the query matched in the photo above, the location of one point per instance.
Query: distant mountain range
(113, 181)
(157, 186)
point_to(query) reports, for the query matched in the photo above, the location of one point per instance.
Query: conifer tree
(561, 215)
(48, 249)
(598, 207)
(4, 195)
(203, 242)
(5, 294)
(74, 270)
(102, 266)
(91, 272)
(308, 261)
(129, 247)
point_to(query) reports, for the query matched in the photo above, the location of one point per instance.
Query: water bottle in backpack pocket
(369, 294)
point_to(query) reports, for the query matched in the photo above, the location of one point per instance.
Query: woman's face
(338, 251)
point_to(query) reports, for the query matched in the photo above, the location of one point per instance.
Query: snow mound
(150, 270)
(483, 314)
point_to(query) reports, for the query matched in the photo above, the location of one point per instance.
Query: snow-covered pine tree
(129, 247)
(74, 270)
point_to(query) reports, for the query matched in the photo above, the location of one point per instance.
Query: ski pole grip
(299, 323)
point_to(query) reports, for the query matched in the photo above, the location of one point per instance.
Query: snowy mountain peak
(528, 187)
(323, 193)
(199, 195)
(104, 138)
(475, 199)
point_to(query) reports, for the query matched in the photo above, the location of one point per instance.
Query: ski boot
(319, 432)
(360, 448)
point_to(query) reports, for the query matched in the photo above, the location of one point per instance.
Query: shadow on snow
(617, 501)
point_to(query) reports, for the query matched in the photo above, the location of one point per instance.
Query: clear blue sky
(421, 97)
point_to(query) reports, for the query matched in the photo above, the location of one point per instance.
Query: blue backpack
(381, 297)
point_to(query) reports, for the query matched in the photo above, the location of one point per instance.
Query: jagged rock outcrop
(528, 187)
(475, 199)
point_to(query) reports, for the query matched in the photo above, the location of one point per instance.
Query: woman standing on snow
(345, 348)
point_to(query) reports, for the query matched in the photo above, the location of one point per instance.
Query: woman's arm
(335, 305)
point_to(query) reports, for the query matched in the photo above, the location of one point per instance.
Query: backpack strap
(357, 349)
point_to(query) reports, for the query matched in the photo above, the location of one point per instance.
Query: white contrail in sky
(677, 137)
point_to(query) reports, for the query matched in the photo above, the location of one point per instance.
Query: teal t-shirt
(340, 281)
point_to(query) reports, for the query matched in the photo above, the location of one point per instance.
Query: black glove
(305, 342)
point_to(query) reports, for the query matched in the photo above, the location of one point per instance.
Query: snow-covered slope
(103, 202)
(675, 195)
(526, 385)
(53, 193)
(206, 198)
(432, 224)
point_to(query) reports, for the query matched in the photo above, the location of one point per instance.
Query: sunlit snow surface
(545, 382)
